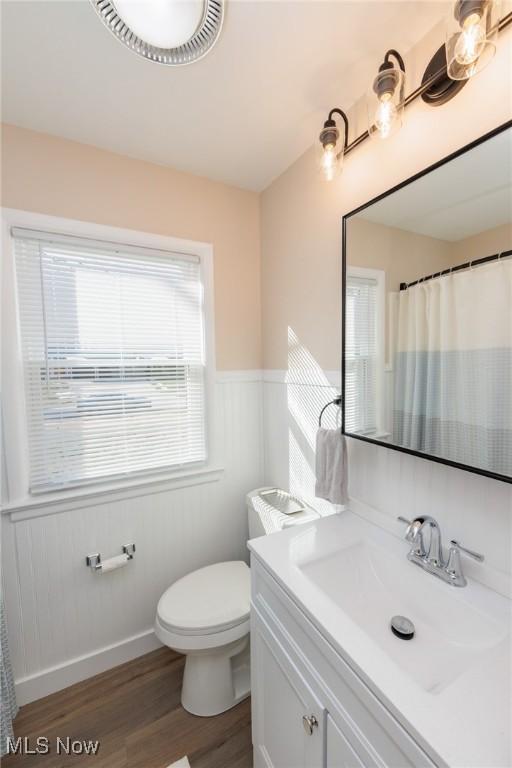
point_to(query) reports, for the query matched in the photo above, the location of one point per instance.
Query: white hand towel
(331, 466)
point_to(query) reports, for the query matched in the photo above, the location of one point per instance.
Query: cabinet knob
(309, 722)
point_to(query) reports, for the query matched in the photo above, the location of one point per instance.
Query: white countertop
(465, 722)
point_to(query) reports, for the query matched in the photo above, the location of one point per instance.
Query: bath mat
(183, 763)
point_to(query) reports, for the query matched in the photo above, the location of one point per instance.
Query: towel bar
(336, 401)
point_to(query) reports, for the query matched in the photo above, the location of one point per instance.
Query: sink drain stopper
(402, 627)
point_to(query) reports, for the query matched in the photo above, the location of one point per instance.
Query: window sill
(63, 501)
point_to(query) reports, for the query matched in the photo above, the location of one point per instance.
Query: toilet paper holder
(95, 563)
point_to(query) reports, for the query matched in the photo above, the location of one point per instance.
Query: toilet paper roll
(113, 563)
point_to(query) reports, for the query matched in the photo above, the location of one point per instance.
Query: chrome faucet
(432, 559)
(414, 534)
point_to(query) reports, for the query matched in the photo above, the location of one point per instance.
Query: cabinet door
(287, 718)
(339, 752)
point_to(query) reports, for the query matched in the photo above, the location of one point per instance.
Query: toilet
(205, 615)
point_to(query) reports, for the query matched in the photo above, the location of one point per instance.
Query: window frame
(16, 497)
(379, 275)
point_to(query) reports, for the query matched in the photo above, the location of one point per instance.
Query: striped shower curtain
(8, 708)
(452, 351)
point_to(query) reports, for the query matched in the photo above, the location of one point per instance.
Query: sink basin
(455, 629)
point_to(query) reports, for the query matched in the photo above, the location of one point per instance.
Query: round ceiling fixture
(172, 32)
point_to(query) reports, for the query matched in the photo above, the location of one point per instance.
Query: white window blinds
(114, 359)
(361, 355)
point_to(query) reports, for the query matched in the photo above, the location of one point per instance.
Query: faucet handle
(453, 566)
(475, 555)
(414, 535)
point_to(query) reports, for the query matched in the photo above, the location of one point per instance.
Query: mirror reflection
(428, 313)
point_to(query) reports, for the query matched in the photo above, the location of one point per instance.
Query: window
(361, 366)
(114, 359)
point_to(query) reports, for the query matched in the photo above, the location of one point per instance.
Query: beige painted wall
(301, 214)
(63, 178)
(404, 256)
(485, 243)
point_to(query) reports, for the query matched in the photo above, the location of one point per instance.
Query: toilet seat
(186, 643)
(210, 601)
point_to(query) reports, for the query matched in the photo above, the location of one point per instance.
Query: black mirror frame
(346, 217)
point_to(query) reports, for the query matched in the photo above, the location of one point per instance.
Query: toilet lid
(211, 599)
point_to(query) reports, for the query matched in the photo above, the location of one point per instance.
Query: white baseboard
(73, 671)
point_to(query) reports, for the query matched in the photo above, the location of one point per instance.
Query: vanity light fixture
(385, 101)
(464, 54)
(471, 36)
(332, 145)
(172, 32)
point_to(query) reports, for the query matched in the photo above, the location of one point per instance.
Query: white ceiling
(471, 194)
(241, 115)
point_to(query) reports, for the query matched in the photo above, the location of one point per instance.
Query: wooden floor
(134, 711)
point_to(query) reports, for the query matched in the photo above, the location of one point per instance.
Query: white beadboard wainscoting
(384, 483)
(67, 623)
(292, 403)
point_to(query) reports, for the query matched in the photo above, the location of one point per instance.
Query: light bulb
(329, 161)
(330, 147)
(385, 115)
(471, 40)
(471, 36)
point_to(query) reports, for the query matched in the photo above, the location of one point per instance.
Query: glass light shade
(162, 23)
(329, 151)
(385, 103)
(471, 37)
(170, 32)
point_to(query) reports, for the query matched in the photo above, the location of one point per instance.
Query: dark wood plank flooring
(134, 711)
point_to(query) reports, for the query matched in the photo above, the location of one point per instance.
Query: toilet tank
(265, 515)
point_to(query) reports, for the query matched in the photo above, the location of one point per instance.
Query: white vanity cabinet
(310, 709)
(288, 718)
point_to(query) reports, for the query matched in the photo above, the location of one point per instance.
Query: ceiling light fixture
(172, 32)
(471, 37)
(473, 44)
(385, 101)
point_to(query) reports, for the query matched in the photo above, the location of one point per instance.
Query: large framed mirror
(427, 312)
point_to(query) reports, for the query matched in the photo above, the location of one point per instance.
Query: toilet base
(216, 679)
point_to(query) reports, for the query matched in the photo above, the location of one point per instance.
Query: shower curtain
(452, 347)
(8, 707)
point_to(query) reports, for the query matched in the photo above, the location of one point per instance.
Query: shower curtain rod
(449, 270)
